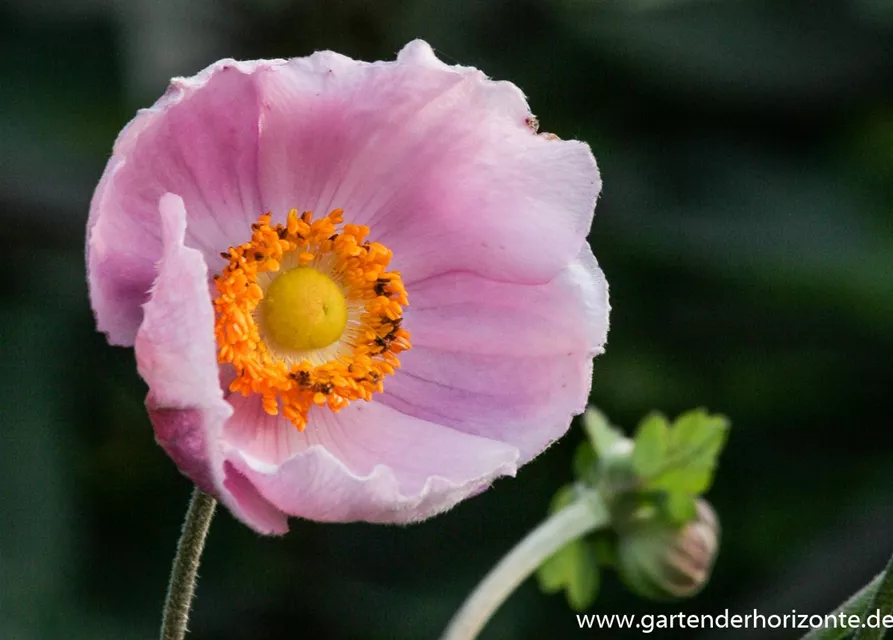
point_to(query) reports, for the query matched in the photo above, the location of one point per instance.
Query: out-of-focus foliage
(573, 569)
(678, 459)
(746, 148)
(650, 486)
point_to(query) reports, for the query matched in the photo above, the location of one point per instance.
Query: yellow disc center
(303, 309)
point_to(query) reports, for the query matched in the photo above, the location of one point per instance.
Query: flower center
(307, 314)
(303, 309)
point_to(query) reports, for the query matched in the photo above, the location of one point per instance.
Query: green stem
(184, 572)
(582, 516)
(855, 605)
(882, 602)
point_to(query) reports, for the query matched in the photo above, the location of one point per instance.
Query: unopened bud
(660, 561)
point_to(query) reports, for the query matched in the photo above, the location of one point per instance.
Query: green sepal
(601, 434)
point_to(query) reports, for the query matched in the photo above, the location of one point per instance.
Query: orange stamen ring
(354, 366)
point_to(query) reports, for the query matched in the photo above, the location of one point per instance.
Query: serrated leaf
(695, 441)
(698, 435)
(601, 434)
(680, 507)
(650, 445)
(574, 569)
(584, 461)
(682, 480)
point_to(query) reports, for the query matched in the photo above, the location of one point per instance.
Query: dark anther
(380, 285)
(394, 323)
(384, 341)
(302, 378)
(324, 387)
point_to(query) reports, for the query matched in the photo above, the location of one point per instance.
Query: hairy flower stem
(184, 572)
(582, 516)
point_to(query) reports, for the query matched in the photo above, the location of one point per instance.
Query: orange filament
(354, 366)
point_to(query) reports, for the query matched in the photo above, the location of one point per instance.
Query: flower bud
(660, 561)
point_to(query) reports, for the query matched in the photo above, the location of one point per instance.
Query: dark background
(745, 227)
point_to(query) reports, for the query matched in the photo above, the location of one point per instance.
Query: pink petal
(503, 361)
(266, 438)
(199, 141)
(249, 506)
(367, 462)
(439, 161)
(460, 311)
(176, 355)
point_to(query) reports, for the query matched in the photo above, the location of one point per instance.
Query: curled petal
(177, 357)
(367, 462)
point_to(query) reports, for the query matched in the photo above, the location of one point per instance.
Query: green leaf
(680, 507)
(555, 572)
(694, 443)
(881, 605)
(601, 434)
(698, 435)
(651, 444)
(682, 480)
(574, 569)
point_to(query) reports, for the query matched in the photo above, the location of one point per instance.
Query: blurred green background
(745, 227)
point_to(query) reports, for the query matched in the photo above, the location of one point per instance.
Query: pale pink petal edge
(176, 356)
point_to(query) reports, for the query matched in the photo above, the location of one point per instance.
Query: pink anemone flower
(356, 291)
